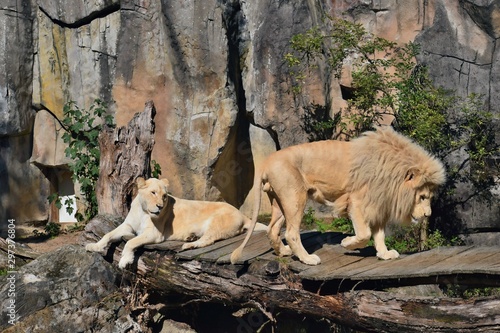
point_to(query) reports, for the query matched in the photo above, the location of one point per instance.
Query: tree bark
(125, 155)
(259, 287)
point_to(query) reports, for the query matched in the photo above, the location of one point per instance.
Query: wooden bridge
(340, 268)
(348, 287)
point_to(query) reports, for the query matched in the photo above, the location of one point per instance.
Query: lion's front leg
(115, 235)
(353, 243)
(382, 252)
(362, 230)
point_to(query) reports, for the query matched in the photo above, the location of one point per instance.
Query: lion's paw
(285, 250)
(94, 247)
(349, 243)
(311, 259)
(392, 254)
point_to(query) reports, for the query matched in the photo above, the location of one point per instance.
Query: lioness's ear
(140, 182)
(413, 177)
(165, 181)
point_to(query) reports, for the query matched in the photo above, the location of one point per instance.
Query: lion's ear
(141, 182)
(413, 178)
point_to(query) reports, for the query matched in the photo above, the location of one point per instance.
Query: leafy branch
(82, 132)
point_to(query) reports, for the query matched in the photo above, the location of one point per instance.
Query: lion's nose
(160, 206)
(428, 212)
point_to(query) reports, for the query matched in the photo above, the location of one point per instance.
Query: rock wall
(216, 74)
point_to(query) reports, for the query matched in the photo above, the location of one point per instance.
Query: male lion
(379, 177)
(156, 216)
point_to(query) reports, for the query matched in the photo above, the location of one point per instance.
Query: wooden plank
(356, 267)
(314, 240)
(487, 265)
(339, 263)
(269, 256)
(411, 265)
(325, 253)
(165, 246)
(309, 241)
(358, 270)
(491, 263)
(440, 261)
(335, 260)
(469, 261)
(257, 245)
(214, 256)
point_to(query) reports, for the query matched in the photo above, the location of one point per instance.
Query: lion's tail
(236, 255)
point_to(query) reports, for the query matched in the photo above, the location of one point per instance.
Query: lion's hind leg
(274, 230)
(293, 203)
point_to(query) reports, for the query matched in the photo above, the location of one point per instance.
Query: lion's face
(153, 194)
(422, 207)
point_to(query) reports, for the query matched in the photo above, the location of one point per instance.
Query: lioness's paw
(187, 246)
(94, 247)
(311, 259)
(392, 254)
(125, 260)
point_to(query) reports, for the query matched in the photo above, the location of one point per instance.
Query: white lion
(156, 216)
(379, 177)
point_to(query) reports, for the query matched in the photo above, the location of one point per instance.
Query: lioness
(156, 216)
(379, 177)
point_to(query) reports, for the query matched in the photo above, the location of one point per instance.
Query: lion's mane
(381, 162)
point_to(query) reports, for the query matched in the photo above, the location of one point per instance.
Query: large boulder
(63, 291)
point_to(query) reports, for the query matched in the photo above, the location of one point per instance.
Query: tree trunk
(271, 288)
(125, 155)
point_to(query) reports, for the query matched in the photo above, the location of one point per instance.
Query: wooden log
(272, 290)
(125, 155)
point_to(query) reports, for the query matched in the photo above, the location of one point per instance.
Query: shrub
(386, 80)
(340, 224)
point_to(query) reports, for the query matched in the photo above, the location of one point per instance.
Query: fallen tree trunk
(159, 272)
(125, 155)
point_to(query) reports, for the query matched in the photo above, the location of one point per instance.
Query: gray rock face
(216, 74)
(78, 13)
(16, 65)
(459, 49)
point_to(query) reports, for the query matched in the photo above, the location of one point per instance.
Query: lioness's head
(153, 195)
